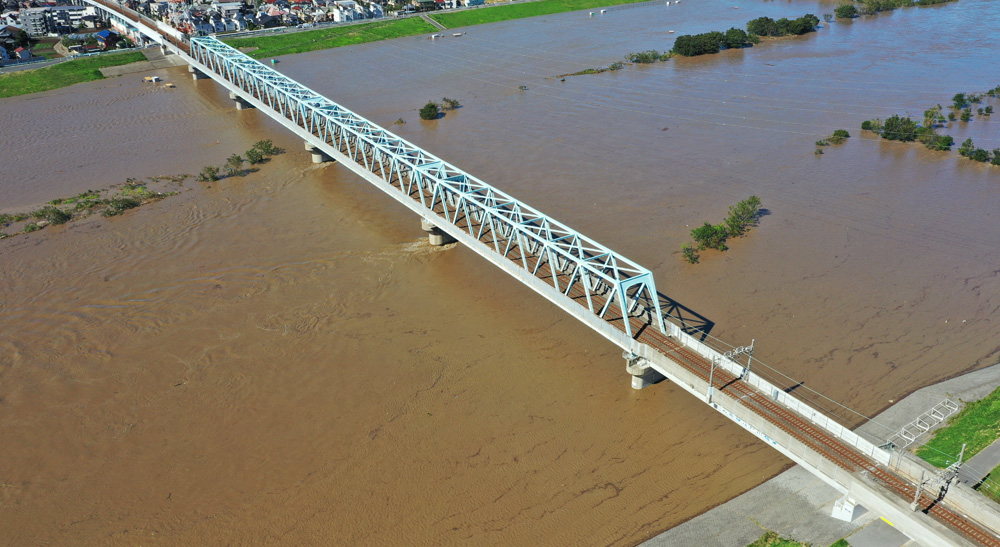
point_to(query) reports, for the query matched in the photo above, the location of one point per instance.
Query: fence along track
(444, 188)
(817, 440)
(538, 258)
(789, 422)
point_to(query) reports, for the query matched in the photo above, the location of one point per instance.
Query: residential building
(34, 21)
(107, 38)
(54, 19)
(8, 36)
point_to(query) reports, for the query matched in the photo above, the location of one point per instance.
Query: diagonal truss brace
(577, 266)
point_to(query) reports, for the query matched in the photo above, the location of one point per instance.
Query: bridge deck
(532, 245)
(752, 399)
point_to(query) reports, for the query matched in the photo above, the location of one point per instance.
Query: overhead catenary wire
(698, 120)
(818, 394)
(957, 240)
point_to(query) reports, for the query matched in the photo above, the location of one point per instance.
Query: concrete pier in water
(436, 236)
(317, 155)
(241, 104)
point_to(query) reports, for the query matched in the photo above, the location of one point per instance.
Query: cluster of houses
(217, 17)
(59, 17)
(12, 45)
(48, 18)
(21, 24)
(40, 18)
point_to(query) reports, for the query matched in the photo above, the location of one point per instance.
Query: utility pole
(711, 375)
(916, 497)
(733, 353)
(949, 474)
(746, 371)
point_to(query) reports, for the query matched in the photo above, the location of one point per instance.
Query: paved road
(797, 504)
(980, 465)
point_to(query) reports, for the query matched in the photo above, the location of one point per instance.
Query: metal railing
(516, 230)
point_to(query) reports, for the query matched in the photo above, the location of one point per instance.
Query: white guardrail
(785, 399)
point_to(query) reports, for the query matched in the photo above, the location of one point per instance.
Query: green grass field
(977, 425)
(63, 74)
(991, 486)
(301, 42)
(479, 16)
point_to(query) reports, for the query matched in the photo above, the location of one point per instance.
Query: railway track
(757, 402)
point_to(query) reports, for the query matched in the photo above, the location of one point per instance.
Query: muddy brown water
(281, 359)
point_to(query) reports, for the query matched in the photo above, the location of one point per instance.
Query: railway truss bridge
(596, 285)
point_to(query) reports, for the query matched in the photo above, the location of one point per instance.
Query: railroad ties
(590, 281)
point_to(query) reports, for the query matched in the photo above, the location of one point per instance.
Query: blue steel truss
(575, 265)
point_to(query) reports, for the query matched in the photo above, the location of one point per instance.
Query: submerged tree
(966, 148)
(209, 173)
(690, 253)
(234, 164)
(736, 38)
(896, 128)
(846, 11)
(430, 111)
(254, 156)
(742, 216)
(980, 155)
(710, 236)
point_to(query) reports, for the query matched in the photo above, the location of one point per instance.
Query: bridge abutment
(435, 236)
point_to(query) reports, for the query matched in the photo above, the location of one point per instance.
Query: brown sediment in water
(282, 359)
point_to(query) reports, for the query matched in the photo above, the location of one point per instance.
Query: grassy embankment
(301, 42)
(977, 425)
(63, 74)
(518, 11)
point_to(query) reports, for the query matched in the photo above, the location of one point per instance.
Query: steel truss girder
(515, 230)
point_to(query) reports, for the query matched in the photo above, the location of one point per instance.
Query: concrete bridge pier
(196, 74)
(642, 372)
(241, 104)
(435, 236)
(317, 155)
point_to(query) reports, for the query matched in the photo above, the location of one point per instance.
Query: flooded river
(282, 359)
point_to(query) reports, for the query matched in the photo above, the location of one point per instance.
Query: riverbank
(798, 505)
(63, 74)
(301, 42)
(506, 12)
(245, 361)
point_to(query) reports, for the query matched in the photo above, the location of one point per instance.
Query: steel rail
(542, 246)
(408, 167)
